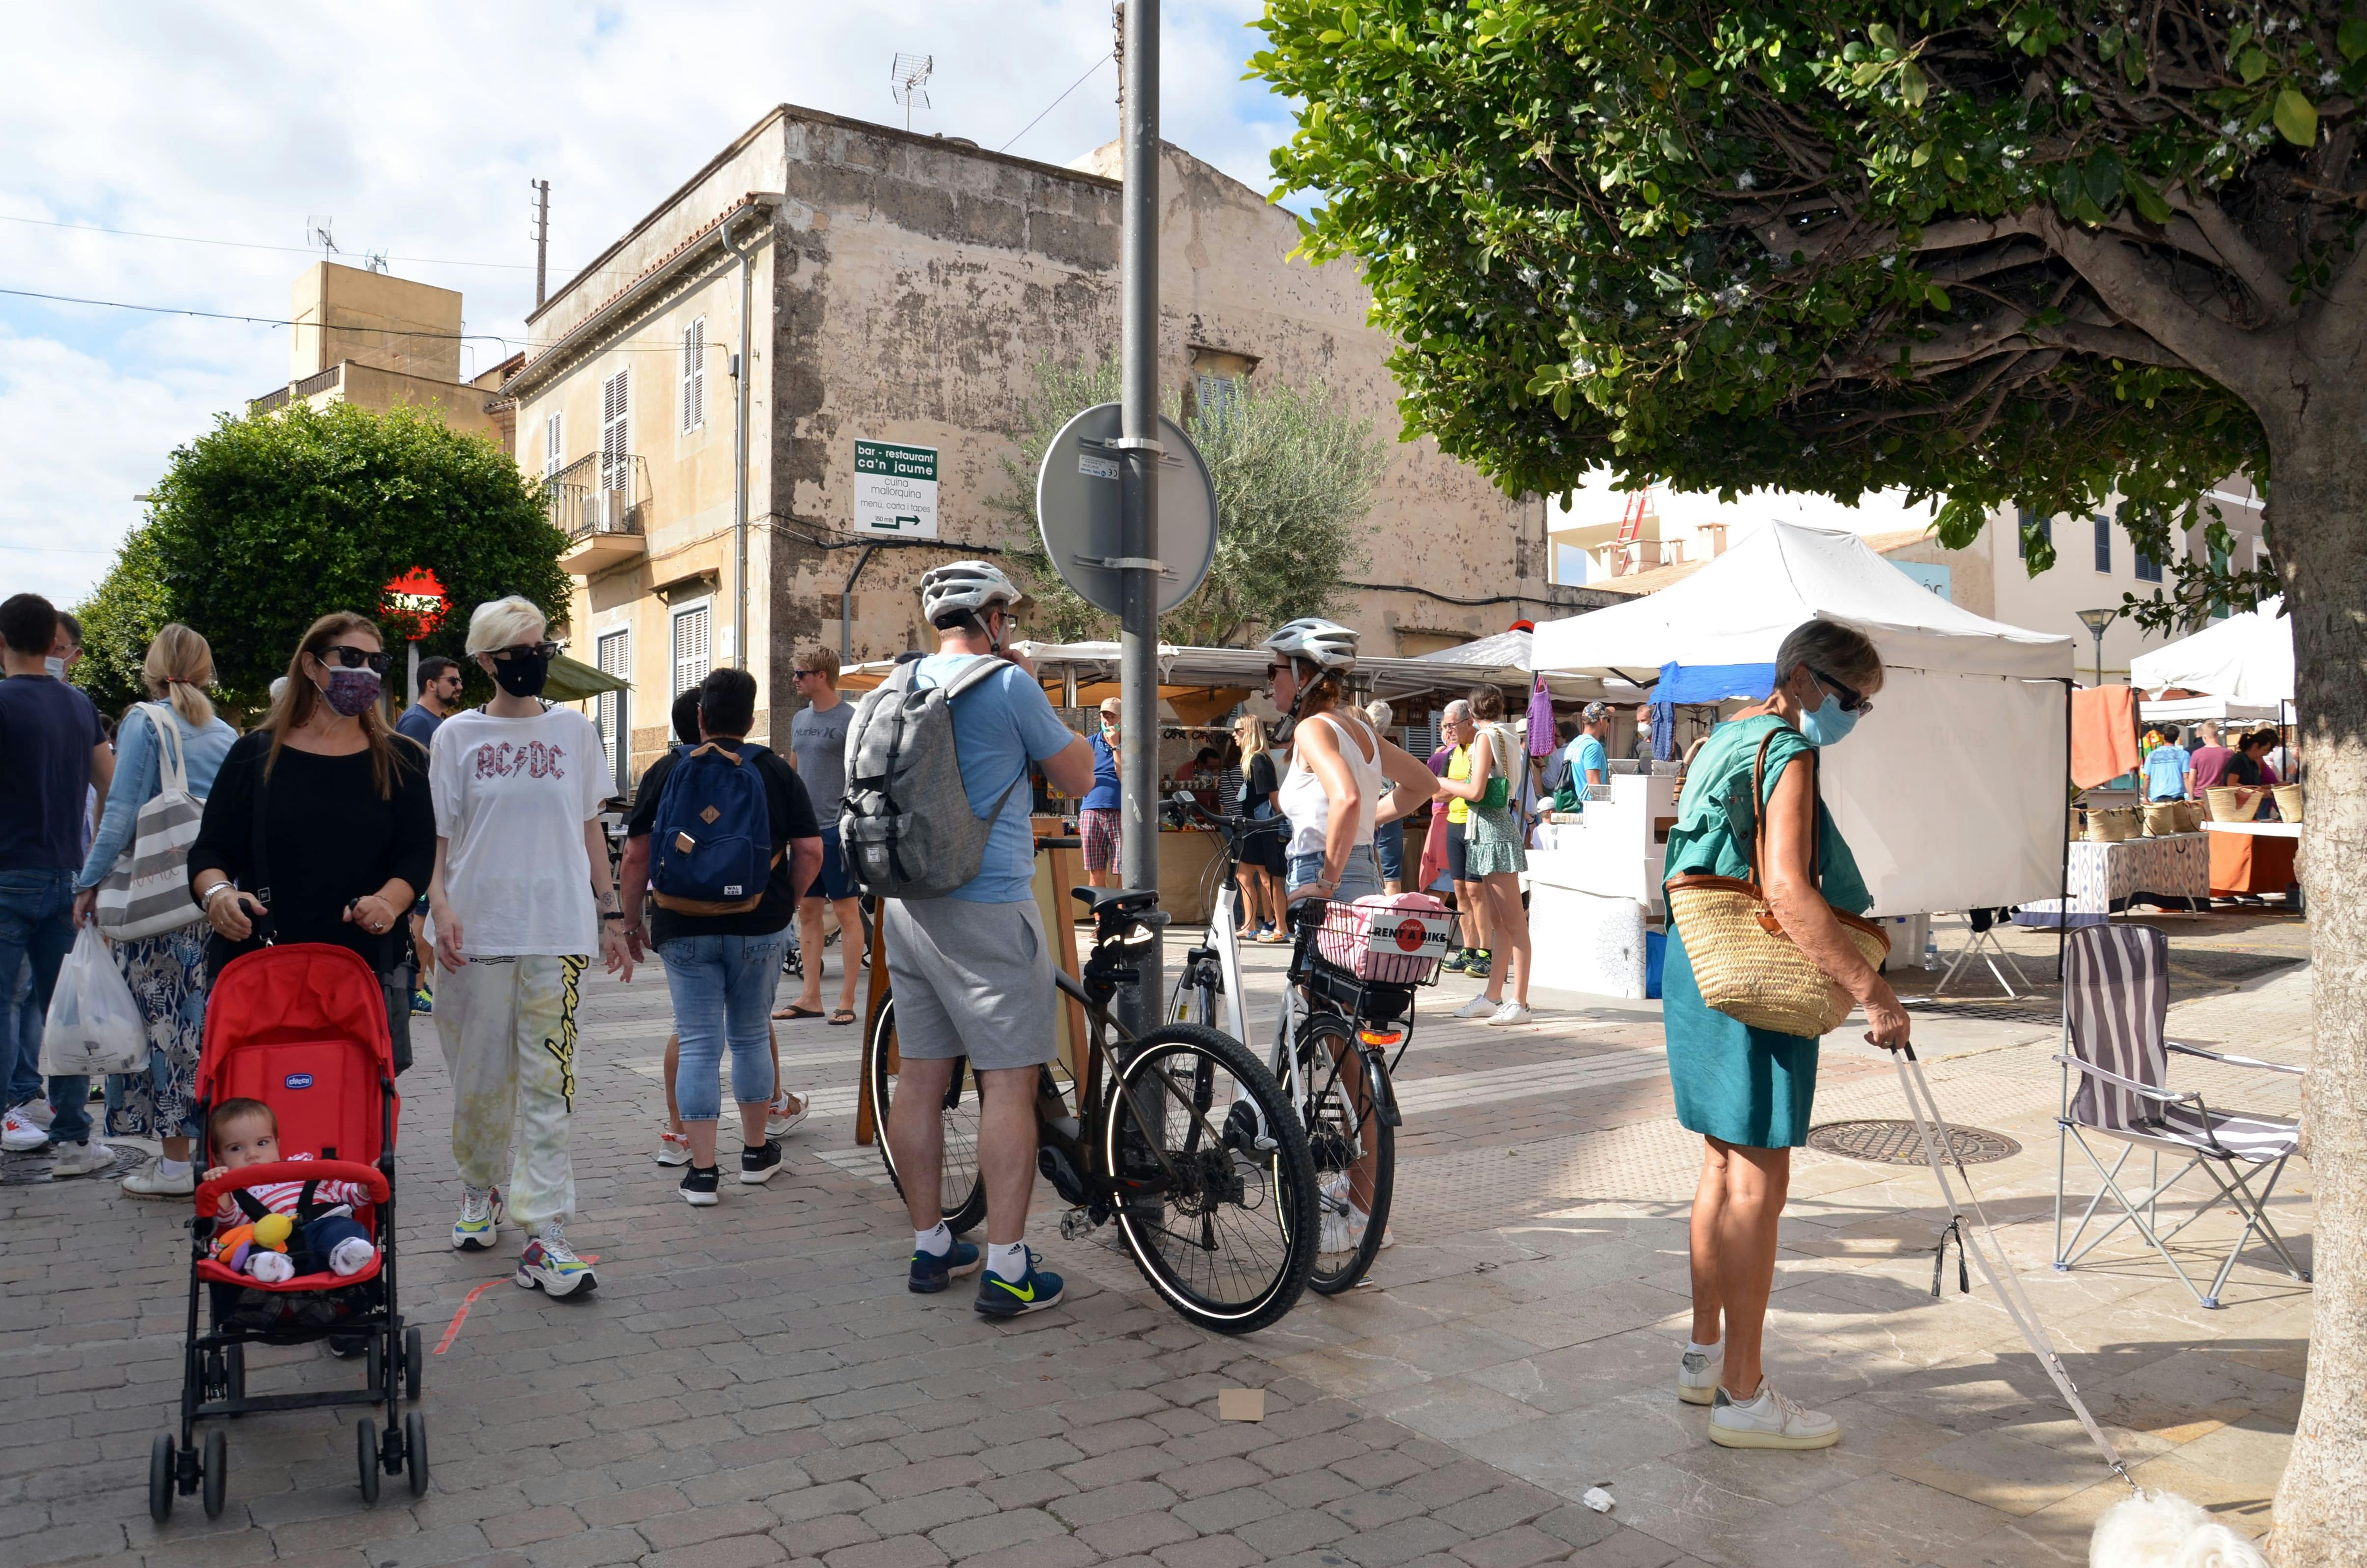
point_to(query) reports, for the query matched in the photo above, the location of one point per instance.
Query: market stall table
(2253, 857)
(2105, 877)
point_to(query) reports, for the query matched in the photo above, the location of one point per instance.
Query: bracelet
(612, 915)
(206, 899)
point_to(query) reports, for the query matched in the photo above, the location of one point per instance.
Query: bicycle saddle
(1124, 900)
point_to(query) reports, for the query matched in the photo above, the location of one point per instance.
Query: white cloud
(417, 127)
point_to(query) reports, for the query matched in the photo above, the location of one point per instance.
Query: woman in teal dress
(1749, 1091)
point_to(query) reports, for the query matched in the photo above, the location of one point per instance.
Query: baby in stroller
(281, 1228)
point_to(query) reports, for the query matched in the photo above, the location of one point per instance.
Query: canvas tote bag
(147, 892)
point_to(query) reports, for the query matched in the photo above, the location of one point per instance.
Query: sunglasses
(1853, 699)
(351, 657)
(1274, 670)
(526, 651)
(800, 674)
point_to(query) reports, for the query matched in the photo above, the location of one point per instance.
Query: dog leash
(1933, 1130)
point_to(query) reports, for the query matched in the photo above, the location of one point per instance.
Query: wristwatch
(612, 915)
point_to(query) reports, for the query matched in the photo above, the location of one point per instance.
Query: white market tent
(1951, 792)
(2246, 657)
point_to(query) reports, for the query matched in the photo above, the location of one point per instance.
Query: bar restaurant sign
(895, 489)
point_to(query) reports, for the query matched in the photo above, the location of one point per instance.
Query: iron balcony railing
(589, 497)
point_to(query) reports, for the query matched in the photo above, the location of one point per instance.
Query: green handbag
(1498, 793)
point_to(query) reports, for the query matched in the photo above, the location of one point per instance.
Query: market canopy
(1951, 792)
(2248, 657)
(1512, 655)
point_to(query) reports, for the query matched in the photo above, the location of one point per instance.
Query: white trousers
(508, 1029)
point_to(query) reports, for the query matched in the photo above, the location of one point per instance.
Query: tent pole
(2063, 898)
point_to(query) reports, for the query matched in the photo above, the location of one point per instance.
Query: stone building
(377, 340)
(901, 290)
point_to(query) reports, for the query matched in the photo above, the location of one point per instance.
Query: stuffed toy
(234, 1246)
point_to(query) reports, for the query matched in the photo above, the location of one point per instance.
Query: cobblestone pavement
(752, 1383)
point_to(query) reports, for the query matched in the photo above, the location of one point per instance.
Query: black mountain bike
(1179, 1136)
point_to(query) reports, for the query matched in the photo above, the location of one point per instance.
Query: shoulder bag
(1744, 963)
(1498, 792)
(146, 893)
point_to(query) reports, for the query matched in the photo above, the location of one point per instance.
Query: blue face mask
(1827, 724)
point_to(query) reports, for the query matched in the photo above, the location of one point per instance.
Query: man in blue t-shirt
(972, 971)
(1589, 760)
(53, 752)
(2165, 770)
(438, 695)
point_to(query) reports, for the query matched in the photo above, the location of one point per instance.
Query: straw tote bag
(147, 892)
(1746, 966)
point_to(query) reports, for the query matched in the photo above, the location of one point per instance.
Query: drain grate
(1899, 1143)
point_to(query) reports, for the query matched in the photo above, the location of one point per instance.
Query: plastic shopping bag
(94, 1025)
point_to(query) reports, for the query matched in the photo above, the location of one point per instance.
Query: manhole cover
(1899, 1143)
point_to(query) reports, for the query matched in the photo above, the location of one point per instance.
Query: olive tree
(1992, 250)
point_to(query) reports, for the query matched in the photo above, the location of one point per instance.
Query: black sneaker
(699, 1185)
(931, 1271)
(1000, 1298)
(757, 1165)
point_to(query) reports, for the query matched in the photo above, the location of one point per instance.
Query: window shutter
(554, 448)
(614, 655)
(615, 444)
(694, 374)
(689, 649)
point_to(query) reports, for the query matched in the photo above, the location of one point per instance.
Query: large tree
(1998, 251)
(1294, 473)
(266, 523)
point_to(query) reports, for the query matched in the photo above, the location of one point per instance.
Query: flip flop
(843, 1016)
(794, 1011)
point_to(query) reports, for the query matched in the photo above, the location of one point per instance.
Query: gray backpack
(906, 826)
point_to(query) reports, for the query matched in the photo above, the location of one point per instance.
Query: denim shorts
(1388, 845)
(832, 881)
(1358, 879)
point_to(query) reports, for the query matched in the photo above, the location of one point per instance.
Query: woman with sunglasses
(344, 834)
(1749, 1091)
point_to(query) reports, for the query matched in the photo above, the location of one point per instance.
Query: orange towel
(2103, 733)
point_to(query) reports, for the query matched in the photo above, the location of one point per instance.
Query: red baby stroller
(301, 1028)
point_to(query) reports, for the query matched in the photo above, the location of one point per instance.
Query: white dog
(2161, 1530)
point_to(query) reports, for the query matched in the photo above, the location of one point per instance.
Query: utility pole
(541, 236)
(1138, 493)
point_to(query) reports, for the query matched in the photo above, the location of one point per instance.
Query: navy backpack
(711, 840)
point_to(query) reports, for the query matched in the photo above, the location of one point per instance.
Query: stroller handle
(369, 1178)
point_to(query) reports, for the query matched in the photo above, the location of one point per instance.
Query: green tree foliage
(1294, 474)
(267, 522)
(1990, 250)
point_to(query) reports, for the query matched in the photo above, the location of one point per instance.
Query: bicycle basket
(1394, 938)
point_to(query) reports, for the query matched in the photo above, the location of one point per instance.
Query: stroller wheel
(415, 1367)
(160, 1478)
(366, 1450)
(217, 1471)
(414, 1450)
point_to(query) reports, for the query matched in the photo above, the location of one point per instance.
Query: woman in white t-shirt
(521, 900)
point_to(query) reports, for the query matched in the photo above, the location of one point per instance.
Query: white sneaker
(480, 1223)
(779, 1120)
(81, 1159)
(20, 1134)
(1479, 1007)
(674, 1149)
(1697, 1374)
(37, 1111)
(150, 1181)
(549, 1262)
(1510, 1013)
(1769, 1421)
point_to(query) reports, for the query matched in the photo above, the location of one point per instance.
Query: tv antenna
(316, 233)
(374, 260)
(908, 78)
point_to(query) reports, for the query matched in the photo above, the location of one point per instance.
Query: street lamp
(2096, 620)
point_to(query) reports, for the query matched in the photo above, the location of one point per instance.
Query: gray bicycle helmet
(1326, 645)
(966, 588)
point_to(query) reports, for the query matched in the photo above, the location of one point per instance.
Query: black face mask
(522, 675)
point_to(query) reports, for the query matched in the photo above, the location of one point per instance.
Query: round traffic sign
(1077, 511)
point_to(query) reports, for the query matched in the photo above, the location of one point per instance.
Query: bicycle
(1332, 1057)
(1180, 1136)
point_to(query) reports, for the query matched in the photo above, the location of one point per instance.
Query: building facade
(377, 340)
(900, 292)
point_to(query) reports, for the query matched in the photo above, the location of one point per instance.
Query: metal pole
(541, 236)
(1138, 437)
(740, 451)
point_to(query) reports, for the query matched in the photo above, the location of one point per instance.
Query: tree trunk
(2319, 530)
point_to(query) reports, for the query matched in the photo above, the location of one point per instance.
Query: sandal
(794, 1011)
(843, 1016)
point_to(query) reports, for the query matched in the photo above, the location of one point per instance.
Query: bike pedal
(1075, 1224)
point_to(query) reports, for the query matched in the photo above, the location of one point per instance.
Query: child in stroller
(321, 1232)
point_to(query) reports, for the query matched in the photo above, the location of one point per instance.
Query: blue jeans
(20, 1050)
(1388, 845)
(722, 990)
(37, 924)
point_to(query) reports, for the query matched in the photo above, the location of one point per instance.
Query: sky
(413, 128)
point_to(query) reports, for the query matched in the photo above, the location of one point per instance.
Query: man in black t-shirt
(722, 969)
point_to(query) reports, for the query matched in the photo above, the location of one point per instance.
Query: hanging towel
(2103, 733)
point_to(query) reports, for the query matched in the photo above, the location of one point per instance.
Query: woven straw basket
(1746, 966)
(2163, 818)
(2288, 800)
(2224, 807)
(2113, 824)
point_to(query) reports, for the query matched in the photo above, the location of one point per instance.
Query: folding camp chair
(2116, 1001)
(1983, 944)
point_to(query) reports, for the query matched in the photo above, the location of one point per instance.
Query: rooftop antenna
(374, 260)
(908, 77)
(316, 233)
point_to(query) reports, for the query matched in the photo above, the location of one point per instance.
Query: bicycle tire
(1275, 1255)
(962, 1188)
(1337, 1135)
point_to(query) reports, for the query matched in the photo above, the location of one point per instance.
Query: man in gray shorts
(972, 971)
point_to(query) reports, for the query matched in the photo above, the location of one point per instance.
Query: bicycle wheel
(1229, 1238)
(1354, 1154)
(961, 1189)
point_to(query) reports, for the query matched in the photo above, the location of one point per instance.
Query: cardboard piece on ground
(1241, 1405)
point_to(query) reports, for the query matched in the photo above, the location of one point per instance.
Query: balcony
(600, 515)
(279, 397)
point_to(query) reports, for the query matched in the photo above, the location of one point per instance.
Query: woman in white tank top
(1340, 766)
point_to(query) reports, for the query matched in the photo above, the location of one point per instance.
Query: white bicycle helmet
(968, 587)
(1326, 645)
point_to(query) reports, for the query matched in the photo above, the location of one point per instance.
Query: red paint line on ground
(452, 1329)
